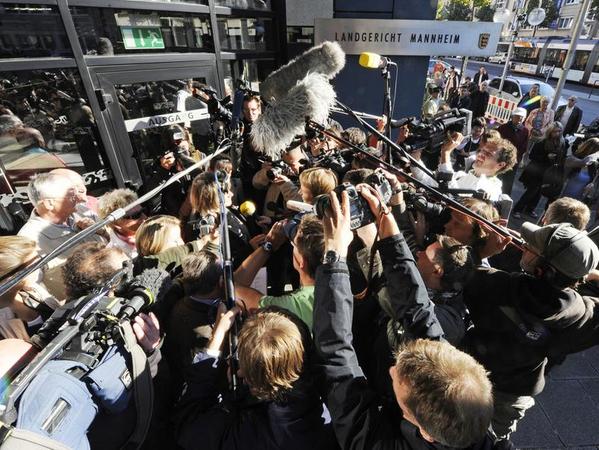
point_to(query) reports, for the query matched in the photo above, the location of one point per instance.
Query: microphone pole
(229, 287)
(115, 215)
(435, 193)
(387, 107)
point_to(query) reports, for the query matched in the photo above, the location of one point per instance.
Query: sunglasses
(134, 215)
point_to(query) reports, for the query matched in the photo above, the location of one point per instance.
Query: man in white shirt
(495, 156)
(569, 115)
(54, 221)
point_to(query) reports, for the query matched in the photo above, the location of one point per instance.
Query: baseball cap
(519, 112)
(569, 250)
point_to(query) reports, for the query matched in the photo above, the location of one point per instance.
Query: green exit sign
(140, 38)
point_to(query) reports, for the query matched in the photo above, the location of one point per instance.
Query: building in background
(100, 86)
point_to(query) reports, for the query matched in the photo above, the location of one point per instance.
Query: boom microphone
(278, 125)
(326, 59)
(374, 61)
(148, 287)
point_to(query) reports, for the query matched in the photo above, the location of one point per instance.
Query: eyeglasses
(134, 215)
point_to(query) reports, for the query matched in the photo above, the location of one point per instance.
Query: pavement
(566, 414)
(588, 98)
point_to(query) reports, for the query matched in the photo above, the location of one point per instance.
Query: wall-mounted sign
(125, 19)
(410, 37)
(139, 38)
(162, 120)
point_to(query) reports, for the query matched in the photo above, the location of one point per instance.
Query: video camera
(360, 213)
(429, 134)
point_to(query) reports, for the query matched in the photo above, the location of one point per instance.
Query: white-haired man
(53, 221)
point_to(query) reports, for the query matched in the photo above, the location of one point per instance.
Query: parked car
(499, 58)
(517, 87)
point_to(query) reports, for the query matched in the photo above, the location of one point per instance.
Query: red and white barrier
(499, 110)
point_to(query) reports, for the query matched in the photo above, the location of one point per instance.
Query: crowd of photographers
(370, 314)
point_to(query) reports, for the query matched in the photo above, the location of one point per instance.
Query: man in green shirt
(308, 252)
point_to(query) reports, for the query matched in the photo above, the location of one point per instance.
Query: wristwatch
(331, 256)
(267, 246)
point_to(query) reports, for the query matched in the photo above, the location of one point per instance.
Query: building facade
(101, 86)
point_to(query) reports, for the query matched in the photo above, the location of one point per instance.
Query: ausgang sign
(410, 37)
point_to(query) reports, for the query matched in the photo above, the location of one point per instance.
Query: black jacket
(359, 419)
(573, 121)
(419, 315)
(518, 321)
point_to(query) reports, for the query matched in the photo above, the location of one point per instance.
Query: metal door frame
(106, 72)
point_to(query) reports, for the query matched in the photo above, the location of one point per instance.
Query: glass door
(152, 111)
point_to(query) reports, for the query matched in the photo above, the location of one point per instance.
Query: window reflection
(245, 4)
(47, 123)
(32, 31)
(252, 70)
(108, 31)
(246, 34)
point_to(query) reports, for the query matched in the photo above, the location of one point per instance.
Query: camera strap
(143, 389)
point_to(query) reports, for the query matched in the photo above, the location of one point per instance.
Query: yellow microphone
(374, 61)
(247, 208)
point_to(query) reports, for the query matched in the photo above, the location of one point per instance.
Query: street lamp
(535, 17)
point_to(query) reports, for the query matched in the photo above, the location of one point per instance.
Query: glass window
(32, 31)
(246, 34)
(554, 57)
(581, 58)
(108, 31)
(163, 116)
(300, 35)
(526, 55)
(245, 4)
(52, 127)
(200, 2)
(252, 70)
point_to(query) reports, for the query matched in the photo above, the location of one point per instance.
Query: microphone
(374, 61)
(148, 287)
(401, 122)
(248, 209)
(326, 59)
(278, 125)
(302, 207)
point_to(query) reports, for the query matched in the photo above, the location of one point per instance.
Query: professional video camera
(429, 134)
(360, 214)
(89, 338)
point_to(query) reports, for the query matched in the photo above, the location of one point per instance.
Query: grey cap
(567, 249)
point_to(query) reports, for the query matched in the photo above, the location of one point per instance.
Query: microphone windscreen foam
(247, 208)
(278, 124)
(326, 59)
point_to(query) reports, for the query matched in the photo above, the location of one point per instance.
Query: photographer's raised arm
(407, 292)
(449, 146)
(353, 406)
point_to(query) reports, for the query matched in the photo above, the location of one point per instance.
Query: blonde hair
(113, 200)
(450, 394)
(318, 180)
(588, 147)
(203, 194)
(151, 236)
(14, 252)
(271, 353)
